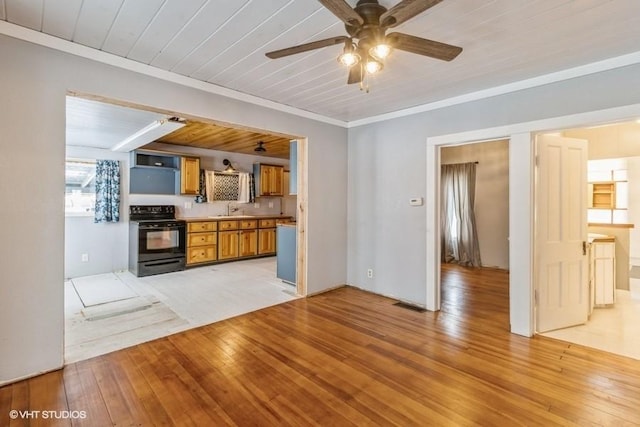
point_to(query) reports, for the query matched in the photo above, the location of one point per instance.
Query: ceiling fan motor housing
(370, 31)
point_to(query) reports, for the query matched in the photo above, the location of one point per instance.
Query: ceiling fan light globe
(348, 59)
(373, 66)
(380, 51)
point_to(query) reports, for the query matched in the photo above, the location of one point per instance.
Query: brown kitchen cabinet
(190, 175)
(228, 245)
(269, 179)
(248, 243)
(223, 240)
(202, 242)
(266, 241)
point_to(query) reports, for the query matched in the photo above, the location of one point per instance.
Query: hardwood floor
(347, 357)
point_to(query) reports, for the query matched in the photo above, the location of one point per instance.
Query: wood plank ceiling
(224, 42)
(96, 122)
(215, 137)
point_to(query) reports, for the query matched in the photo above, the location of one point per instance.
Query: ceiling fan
(367, 45)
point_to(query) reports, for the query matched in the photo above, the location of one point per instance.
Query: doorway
(612, 217)
(111, 246)
(521, 197)
(490, 160)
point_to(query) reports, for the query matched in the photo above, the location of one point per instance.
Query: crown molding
(46, 40)
(569, 73)
(56, 43)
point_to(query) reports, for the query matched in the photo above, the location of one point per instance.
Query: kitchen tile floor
(614, 329)
(170, 303)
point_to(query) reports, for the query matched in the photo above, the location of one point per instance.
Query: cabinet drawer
(267, 223)
(201, 254)
(202, 226)
(201, 239)
(227, 225)
(248, 224)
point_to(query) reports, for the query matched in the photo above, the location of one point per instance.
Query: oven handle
(161, 227)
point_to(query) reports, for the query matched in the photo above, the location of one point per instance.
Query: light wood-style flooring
(170, 303)
(348, 357)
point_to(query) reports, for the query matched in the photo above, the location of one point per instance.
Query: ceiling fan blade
(355, 74)
(404, 11)
(420, 46)
(342, 10)
(306, 47)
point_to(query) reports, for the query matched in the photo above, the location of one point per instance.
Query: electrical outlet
(84, 257)
(256, 205)
(270, 204)
(187, 205)
(370, 273)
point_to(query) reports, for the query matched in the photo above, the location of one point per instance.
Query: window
(80, 187)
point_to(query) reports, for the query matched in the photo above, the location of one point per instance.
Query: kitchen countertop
(287, 224)
(594, 237)
(233, 217)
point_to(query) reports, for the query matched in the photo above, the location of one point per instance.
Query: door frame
(521, 203)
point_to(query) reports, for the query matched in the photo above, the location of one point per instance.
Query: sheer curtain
(459, 235)
(107, 191)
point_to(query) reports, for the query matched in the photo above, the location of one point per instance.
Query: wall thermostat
(416, 201)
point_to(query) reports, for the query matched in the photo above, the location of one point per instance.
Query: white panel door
(562, 283)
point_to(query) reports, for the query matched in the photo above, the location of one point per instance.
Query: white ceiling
(223, 42)
(100, 125)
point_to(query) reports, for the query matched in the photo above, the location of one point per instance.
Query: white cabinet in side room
(603, 272)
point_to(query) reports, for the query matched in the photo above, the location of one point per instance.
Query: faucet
(231, 209)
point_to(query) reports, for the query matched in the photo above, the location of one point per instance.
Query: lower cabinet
(267, 241)
(225, 240)
(202, 241)
(603, 271)
(228, 245)
(203, 254)
(248, 243)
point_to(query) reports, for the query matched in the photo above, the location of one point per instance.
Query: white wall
(34, 84)
(492, 196)
(106, 244)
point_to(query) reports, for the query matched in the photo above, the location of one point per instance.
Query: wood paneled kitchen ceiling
(223, 43)
(237, 140)
(97, 122)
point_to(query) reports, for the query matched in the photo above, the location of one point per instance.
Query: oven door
(161, 240)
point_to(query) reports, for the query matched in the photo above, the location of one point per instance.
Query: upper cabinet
(269, 179)
(190, 175)
(293, 167)
(154, 159)
(602, 195)
(153, 173)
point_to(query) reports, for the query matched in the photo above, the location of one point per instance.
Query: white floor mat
(101, 289)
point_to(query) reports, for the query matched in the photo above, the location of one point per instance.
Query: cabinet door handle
(584, 247)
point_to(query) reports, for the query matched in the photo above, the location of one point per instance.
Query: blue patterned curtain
(107, 191)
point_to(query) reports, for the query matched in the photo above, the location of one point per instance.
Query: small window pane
(80, 189)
